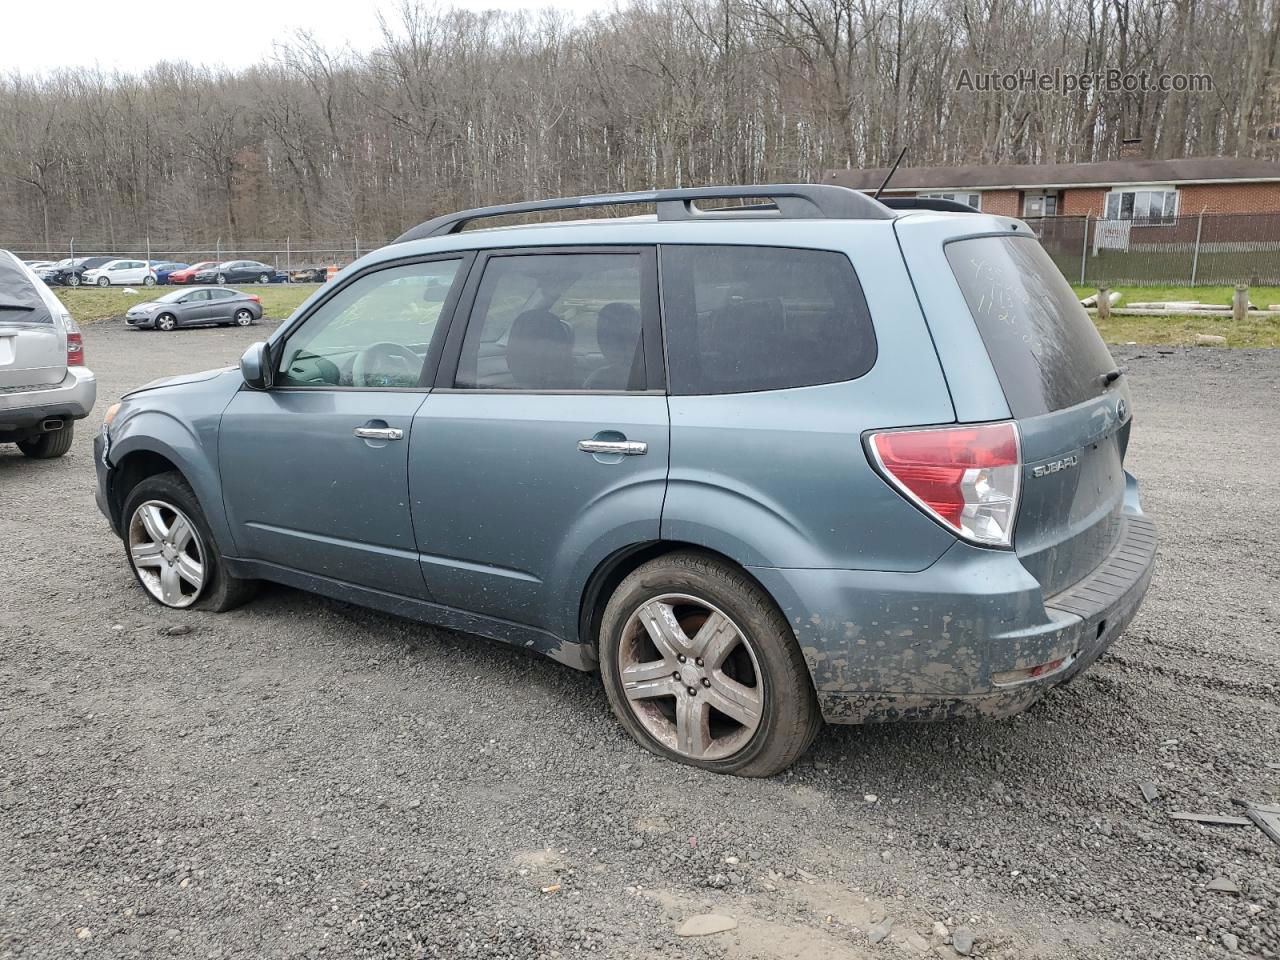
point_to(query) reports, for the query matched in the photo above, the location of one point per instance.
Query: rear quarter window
(741, 319)
(1045, 350)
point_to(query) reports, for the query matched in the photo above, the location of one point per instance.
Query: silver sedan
(196, 306)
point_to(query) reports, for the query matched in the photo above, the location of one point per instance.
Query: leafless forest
(458, 109)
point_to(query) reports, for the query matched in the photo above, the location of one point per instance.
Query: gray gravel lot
(300, 778)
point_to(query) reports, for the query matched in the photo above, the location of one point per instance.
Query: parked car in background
(70, 273)
(313, 273)
(194, 307)
(165, 268)
(188, 274)
(120, 273)
(37, 265)
(44, 385)
(237, 271)
(808, 458)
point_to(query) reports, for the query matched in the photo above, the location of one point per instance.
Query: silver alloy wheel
(691, 677)
(104, 281)
(244, 318)
(165, 322)
(166, 553)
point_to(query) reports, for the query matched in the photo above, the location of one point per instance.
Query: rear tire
(148, 281)
(264, 278)
(49, 446)
(243, 318)
(753, 668)
(218, 590)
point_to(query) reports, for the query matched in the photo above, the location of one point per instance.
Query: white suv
(121, 271)
(44, 385)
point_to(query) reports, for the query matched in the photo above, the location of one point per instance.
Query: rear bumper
(72, 399)
(945, 642)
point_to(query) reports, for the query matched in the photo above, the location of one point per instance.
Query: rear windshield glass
(1045, 349)
(20, 301)
(740, 319)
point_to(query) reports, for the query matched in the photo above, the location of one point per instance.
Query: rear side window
(740, 319)
(1045, 349)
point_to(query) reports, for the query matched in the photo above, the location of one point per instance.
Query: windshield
(173, 297)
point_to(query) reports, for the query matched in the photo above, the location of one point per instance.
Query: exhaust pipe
(52, 424)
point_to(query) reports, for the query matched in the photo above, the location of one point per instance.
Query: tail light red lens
(965, 477)
(254, 298)
(75, 350)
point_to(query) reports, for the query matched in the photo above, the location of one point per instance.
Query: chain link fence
(1219, 248)
(282, 254)
(1222, 248)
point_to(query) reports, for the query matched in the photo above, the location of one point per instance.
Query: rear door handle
(627, 448)
(379, 433)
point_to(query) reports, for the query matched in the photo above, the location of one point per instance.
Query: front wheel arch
(132, 469)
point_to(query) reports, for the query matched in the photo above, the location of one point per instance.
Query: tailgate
(1062, 387)
(33, 347)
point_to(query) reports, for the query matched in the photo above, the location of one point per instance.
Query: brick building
(1151, 191)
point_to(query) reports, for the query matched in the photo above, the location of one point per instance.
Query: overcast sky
(39, 37)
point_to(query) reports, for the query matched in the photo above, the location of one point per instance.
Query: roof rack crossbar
(794, 201)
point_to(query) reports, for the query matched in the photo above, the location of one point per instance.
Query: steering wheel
(386, 364)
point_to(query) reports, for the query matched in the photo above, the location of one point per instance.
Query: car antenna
(892, 171)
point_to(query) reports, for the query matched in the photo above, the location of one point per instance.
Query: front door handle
(379, 433)
(627, 448)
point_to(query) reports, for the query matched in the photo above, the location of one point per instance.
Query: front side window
(374, 333)
(557, 321)
(740, 319)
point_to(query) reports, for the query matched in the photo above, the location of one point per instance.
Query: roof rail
(793, 201)
(927, 203)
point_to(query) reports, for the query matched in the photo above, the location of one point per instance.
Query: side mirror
(255, 366)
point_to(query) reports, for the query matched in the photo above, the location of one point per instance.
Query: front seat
(540, 352)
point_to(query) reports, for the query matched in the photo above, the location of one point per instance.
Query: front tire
(221, 280)
(700, 666)
(171, 552)
(166, 322)
(73, 280)
(49, 446)
(104, 281)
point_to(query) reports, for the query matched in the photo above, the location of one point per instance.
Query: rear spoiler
(927, 203)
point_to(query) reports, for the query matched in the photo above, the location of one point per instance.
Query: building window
(969, 199)
(1151, 205)
(1040, 205)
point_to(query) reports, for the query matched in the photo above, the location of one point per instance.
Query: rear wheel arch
(616, 567)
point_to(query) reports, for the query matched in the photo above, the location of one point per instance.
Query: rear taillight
(75, 350)
(255, 299)
(965, 477)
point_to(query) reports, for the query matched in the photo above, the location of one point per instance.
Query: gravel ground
(301, 778)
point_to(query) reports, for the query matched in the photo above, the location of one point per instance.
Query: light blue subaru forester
(764, 456)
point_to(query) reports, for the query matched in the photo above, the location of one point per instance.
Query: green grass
(1260, 296)
(1256, 332)
(90, 305)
